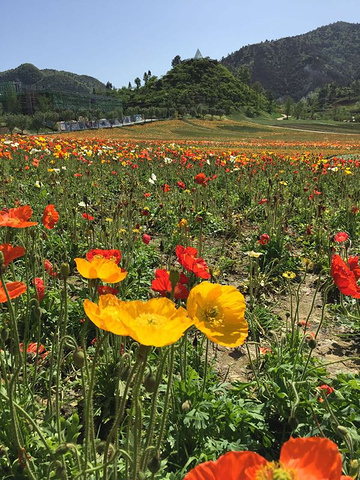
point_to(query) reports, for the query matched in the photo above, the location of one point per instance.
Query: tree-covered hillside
(49, 79)
(196, 86)
(296, 66)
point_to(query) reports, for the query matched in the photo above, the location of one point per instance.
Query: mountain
(295, 66)
(51, 80)
(199, 84)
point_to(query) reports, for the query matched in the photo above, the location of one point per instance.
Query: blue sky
(118, 40)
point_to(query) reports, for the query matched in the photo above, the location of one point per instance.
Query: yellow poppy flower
(156, 322)
(107, 314)
(219, 312)
(102, 268)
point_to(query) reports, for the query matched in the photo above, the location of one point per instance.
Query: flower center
(150, 319)
(275, 471)
(212, 316)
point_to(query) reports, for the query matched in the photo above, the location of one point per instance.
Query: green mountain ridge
(296, 66)
(52, 80)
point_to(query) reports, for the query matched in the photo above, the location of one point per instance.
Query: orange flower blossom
(14, 289)
(11, 253)
(50, 217)
(311, 458)
(17, 217)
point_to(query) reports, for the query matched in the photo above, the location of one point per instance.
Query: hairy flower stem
(150, 429)
(120, 412)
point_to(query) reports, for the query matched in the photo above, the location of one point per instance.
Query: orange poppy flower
(102, 268)
(345, 277)
(17, 217)
(15, 289)
(11, 253)
(312, 458)
(50, 217)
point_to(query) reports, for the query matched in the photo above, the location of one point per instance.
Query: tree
(145, 78)
(137, 82)
(129, 86)
(109, 86)
(288, 107)
(176, 61)
(12, 103)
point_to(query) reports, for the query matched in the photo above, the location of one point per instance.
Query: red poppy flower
(264, 239)
(146, 238)
(344, 278)
(354, 266)
(11, 253)
(162, 285)
(50, 217)
(312, 458)
(187, 257)
(15, 289)
(114, 255)
(166, 188)
(341, 237)
(49, 268)
(200, 178)
(35, 348)
(181, 185)
(88, 217)
(262, 201)
(17, 217)
(105, 290)
(326, 389)
(40, 288)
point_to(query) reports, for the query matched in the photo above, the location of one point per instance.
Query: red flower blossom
(187, 257)
(162, 285)
(345, 278)
(14, 289)
(264, 239)
(40, 288)
(17, 217)
(200, 178)
(49, 268)
(312, 458)
(354, 209)
(11, 253)
(34, 348)
(166, 188)
(181, 185)
(146, 238)
(88, 217)
(114, 255)
(147, 195)
(354, 266)
(105, 290)
(50, 217)
(326, 389)
(262, 201)
(341, 237)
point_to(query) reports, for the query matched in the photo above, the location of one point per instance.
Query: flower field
(129, 268)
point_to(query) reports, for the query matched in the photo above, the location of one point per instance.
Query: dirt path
(334, 341)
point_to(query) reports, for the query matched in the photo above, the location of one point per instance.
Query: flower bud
(79, 358)
(141, 476)
(150, 383)
(154, 463)
(174, 277)
(293, 422)
(62, 449)
(185, 407)
(65, 270)
(343, 431)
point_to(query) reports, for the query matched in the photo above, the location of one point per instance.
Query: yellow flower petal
(219, 312)
(106, 314)
(102, 268)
